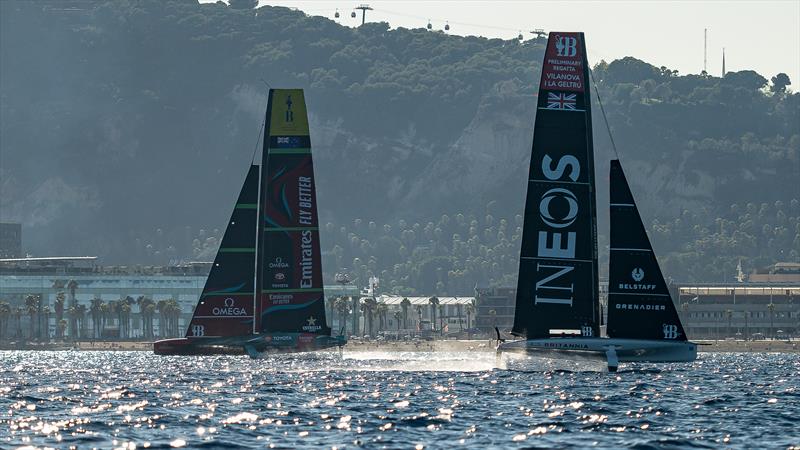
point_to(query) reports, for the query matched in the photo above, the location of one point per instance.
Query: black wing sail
(557, 288)
(292, 296)
(225, 307)
(639, 303)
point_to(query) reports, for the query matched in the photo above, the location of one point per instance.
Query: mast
(262, 195)
(557, 288)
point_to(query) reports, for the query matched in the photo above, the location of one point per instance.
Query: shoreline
(479, 345)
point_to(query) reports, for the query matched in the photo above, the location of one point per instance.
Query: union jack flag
(561, 100)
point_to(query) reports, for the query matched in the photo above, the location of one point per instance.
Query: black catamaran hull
(611, 350)
(253, 345)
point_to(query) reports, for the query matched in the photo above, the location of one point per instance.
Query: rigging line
(258, 139)
(603, 110)
(261, 128)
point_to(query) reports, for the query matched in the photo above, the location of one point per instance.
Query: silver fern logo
(637, 274)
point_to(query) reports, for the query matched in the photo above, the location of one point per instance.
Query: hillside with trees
(126, 129)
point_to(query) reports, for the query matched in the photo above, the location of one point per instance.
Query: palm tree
(46, 315)
(96, 310)
(470, 312)
(128, 301)
(18, 311)
(72, 286)
(59, 308)
(149, 312)
(397, 316)
(419, 318)
(108, 310)
(31, 306)
(434, 302)
(169, 313)
(124, 319)
(146, 313)
(382, 310)
(176, 315)
(80, 316)
(62, 325)
(368, 308)
(5, 314)
(162, 318)
(405, 304)
(355, 310)
(441, 319)
(341, 306)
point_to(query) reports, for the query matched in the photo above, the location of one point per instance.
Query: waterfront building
(82, 282)
(782, 272)
(390, 314)
(740, 310)
(495, 307)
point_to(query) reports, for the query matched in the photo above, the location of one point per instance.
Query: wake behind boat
(558, 304)
(264, 292)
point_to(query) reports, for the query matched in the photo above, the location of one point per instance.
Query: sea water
(393, 400)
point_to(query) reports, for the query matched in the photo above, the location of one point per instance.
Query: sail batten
(639, 303)
(557, 288)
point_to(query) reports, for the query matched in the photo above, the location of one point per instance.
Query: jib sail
(290, 271)
(225, 307)
(639, 303)
(557, 290)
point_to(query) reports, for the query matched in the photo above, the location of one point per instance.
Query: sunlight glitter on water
(380, 399)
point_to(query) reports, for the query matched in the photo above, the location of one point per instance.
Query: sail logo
(637, 287)
(292, 141)
(555, 284)
(198, 330)
(312, 325)
(566, 46)
(563, 345)
(587, 331)
(305, 197)
(307, 260)
(637, 274)
(566, 196)
(230, 309)
(561, 100)
(278, 264)
(640, 307)
(281, 299)
(670, 331)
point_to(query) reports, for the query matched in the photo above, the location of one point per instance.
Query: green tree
(779, 83)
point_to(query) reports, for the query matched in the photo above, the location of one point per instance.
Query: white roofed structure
(448, 301)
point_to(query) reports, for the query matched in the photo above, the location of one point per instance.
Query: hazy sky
(760, 35)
